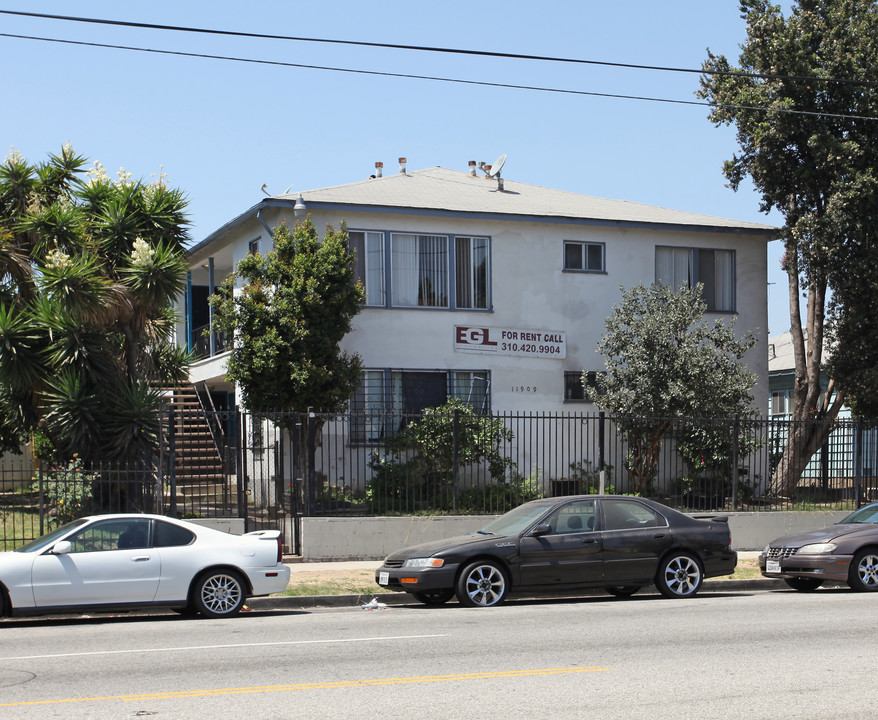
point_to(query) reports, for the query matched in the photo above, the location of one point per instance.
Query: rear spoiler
(715, 518)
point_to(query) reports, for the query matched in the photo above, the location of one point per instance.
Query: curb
(287, 602)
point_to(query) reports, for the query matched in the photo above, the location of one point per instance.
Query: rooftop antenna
(265, 189)
(495, 169)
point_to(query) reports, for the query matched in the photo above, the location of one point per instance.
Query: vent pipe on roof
(472, 168)
(402, 166)
(379, 169)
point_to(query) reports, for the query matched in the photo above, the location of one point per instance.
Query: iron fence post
(240, 474)
(736, 429)
(311, 474)
(172, 461)
(602, 418)
(42, 499)
(455, 470)
(858, 461)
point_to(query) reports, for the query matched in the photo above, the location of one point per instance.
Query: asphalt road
(738, 654)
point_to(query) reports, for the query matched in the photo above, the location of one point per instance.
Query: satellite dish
(496, 167)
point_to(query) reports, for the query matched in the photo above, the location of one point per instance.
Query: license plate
(383, 578)
(772, 566)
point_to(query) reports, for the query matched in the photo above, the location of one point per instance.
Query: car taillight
(280, 549)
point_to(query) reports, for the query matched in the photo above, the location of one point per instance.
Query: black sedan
(619, 543)
(845, 552)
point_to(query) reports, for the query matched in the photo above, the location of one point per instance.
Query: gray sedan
(846, 552)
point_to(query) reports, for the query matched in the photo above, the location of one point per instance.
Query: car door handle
(588, 541)
(659, 536)
(139, 558)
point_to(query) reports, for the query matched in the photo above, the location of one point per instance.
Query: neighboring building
(492, 292)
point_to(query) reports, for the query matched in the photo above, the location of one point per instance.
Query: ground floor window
(574, 390)
(387, 399)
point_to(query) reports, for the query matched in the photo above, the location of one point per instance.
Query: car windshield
(50, 537)
(515, 521)
(868, 514)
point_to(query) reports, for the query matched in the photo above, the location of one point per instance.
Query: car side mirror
(62, 547)
(541, 529)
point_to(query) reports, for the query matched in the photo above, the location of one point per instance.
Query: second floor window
(714, 269)
(584, 256)
(416, 270)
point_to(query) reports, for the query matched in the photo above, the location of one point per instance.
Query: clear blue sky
(220, 129)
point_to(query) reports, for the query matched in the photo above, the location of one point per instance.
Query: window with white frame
(388, 399)
(471, 272)
(780, 402)
(714, 269)
(429, 271)
(584, 256)
(419, 270)
(368, 249)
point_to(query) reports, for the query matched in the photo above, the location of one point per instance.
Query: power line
(426, 48)
(435, 78)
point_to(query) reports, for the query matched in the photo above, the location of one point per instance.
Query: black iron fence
(271, 469)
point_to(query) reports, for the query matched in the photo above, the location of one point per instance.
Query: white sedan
(120, 562)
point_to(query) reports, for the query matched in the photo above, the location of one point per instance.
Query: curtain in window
(375, 269)
(724, 278)
(404, 269)
(673, 267)
(463, 272)
(433, 271)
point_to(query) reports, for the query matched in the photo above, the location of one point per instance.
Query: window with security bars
(387, 399)
(686, 267)
(417, 270)
(574, 390)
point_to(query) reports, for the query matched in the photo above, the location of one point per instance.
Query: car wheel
(433, 597)
(679, 576)
(622, 591)
(863, 575)
(803, 584)
(482, 584)
(219, 593)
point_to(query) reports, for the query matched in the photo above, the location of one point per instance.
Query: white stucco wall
(529, 290)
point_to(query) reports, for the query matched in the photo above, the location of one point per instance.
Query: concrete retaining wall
(372, 538)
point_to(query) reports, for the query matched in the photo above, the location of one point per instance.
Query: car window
(117, 534)
(50, 537)
(868, 514)
(575, 517)
(625, 514)
(170, 535)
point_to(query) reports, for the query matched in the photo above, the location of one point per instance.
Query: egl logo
(473, 336)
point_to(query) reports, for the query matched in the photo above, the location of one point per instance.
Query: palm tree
(89, 270)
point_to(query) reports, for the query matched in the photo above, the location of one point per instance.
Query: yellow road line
(318, 685)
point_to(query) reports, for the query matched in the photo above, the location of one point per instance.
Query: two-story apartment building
(493, 292)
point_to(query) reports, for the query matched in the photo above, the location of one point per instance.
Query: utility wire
(424, 48)
(482, 83)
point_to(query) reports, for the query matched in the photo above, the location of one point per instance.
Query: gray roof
(438, 188)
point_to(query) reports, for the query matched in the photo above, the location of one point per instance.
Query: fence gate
(269, 453)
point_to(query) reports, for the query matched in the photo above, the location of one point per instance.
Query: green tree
(665, 361)
(288, 319)
(803, 101)
(89, 270)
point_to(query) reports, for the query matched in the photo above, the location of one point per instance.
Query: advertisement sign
(521, 342)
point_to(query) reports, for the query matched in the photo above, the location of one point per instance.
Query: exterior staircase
(202, 480)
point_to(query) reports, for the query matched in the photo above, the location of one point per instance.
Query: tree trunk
(814, 411)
